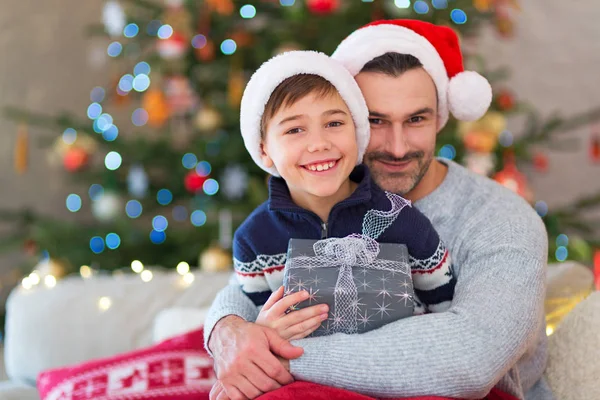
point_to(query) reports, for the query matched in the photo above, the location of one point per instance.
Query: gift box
(366, 284)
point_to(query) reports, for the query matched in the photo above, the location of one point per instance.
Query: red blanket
(306, 390)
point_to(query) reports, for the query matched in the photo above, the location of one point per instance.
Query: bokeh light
(157, 237)
(248, 11)
(228, 46)
(113, 160)
(73, 202)
(97, 244)
(198, 218)
(210, 187)
(113, 241)
(164, 197)
(133, 208)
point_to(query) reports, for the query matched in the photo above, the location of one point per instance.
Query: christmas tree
(159, 157)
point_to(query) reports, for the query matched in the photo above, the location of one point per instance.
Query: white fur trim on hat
(266, 79)
(467, 95)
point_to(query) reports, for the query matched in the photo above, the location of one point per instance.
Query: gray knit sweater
(494, 333)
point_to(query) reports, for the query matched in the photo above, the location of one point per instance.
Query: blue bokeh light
(114, 49)
(141, 83)
(458, 16)
(421, 7)
(561, 253)
(113, 241)
(73, 202)
(126, 83)
(113, 160)
(541, 208)
(139, 117)
(142, 68)
(248, 11)
(228, 46)
(198, 218)
(111, 133)
(157, 237)
(69, 136)
(97, 244)
(131, 30)
(203, 168)
(562, 240)
(447, 151)
(94, 111)
(159, 223)
(199, 41)
(210, 187)
(165, 31)
(164, 197)
(189, 160)
(133, 209)
(97, 94)
(96, 191)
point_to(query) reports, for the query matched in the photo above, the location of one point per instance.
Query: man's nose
(396, 141)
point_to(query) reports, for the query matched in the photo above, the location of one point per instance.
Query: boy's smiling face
(312, 143)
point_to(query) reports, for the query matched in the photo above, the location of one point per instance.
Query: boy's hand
(293, 325)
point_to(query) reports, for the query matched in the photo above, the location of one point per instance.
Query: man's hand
(244, 361)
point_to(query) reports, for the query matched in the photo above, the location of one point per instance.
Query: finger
(215, 391)
(260, 379)
(235, 392)
(222, 396)
(280, 307)
(299, 316)
(305, 328)
(244, 385)
(281, 347)
(273, 298)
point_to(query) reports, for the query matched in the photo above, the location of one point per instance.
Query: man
(411, 76)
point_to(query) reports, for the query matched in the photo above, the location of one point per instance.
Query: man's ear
(266, 160)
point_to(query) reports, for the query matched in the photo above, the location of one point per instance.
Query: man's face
(404, 125)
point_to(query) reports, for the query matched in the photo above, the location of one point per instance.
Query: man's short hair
(294, 89)
(393, 64)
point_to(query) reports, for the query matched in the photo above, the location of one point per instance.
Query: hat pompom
(469, 96)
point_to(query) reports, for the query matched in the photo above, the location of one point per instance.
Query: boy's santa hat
(466, 94)
(273, 72)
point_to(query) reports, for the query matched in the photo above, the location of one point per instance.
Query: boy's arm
(430, 262)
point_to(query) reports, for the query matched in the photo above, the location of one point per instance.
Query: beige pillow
(573, 370)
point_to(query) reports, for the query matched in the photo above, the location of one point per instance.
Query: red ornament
(597, 268)
(595, 148)
(193, 181)
(322, 7)
(505, 100)
(540, 162)
(172, 48)
(30, 247)
(513, 179)
(75, 159)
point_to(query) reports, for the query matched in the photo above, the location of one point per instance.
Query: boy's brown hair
(292, 90)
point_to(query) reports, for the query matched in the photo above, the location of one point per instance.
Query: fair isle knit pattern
(261, 243)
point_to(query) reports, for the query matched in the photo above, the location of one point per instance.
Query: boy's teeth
(321, 167)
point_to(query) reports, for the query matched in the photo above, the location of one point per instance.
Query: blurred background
(120, 147)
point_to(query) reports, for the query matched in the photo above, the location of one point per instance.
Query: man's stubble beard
(399, 183)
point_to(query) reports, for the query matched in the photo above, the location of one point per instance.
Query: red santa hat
(466, 94)
(274, 71)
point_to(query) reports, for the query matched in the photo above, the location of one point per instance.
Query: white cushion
(48, 328)
(176, 321)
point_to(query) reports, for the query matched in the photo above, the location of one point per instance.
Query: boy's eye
(335, 124)
(293, 131)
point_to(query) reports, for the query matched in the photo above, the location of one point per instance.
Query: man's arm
(464, 352)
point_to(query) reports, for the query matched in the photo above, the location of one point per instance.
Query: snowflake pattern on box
(376, 297)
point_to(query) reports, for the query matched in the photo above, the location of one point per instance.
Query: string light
(402, 3)
(165, 31)
(188, 278)
(228, 46)
(183, 268)
(137, 266)
(112, 161)
(131, 30)
(549, 330)
(26, 283)
(34, 278)
(146, 275)
(248, 11)
(104, 303)
(49, 281)
(85, 271)
(458, 16)
(94, 110)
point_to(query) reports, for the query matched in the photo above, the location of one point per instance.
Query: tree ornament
(234, 182)
(193, 181)
(505, 100)
(155, 104)
(223, 7)
(180, 96)
(173, 47)
(215, 259)
(22, 150)
(114, 18)
(482, 135)
(75, 159)
(323, 7)
(511, 178)
(208, 119)
(480, 163)
(107, 207)
(595, 148)
(540, 162)
(137, 181)
(206, 53)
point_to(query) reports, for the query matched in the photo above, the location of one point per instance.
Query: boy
(304, 121)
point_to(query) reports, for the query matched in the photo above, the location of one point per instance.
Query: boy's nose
(318, 141)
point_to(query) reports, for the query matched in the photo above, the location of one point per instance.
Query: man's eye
(375, 121)
(416, 120)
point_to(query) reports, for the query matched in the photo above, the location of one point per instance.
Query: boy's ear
(266, 160)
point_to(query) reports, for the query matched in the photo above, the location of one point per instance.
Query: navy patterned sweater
(260, 243)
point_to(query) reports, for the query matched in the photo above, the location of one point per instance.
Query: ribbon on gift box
(345, 253)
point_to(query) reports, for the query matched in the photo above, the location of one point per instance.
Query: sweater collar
(281, 200)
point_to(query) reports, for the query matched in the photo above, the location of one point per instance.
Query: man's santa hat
(466, 94)
(276, 70)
